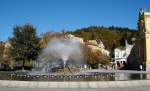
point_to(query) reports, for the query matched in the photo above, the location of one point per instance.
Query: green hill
(111, 36)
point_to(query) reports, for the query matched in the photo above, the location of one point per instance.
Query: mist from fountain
(61, 52)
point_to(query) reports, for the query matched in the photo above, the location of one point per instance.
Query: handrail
(89, 71)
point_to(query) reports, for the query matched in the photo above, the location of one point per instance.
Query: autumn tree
(94, 57)
(46, 37)
(2, 46)
(7, 55)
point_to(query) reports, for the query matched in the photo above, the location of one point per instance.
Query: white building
(121, 55)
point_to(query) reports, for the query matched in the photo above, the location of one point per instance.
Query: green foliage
(24, 43)
(111, 36)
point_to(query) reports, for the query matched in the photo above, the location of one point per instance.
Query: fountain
(61, 52)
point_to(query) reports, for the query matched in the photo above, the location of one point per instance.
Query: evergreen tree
(24, 43)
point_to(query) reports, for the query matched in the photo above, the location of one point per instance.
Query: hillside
(111, 36)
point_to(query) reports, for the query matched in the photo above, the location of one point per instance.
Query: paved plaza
(135, 85)
(141, 88)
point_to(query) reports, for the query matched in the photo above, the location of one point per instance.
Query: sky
(58, 15)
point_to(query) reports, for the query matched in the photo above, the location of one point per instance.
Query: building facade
(144, 38)
(121, 55)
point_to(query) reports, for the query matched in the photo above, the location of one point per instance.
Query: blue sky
(56, 15)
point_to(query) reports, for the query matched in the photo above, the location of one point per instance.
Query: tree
(2, 46)
(24, 43)
(46, 37)
(94, 57)
(7, 55)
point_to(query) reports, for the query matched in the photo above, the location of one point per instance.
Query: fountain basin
(77, 76)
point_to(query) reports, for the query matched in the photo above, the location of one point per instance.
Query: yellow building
(144, 38)
(147, 35)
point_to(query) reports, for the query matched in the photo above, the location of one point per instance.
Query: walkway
(136, 85)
